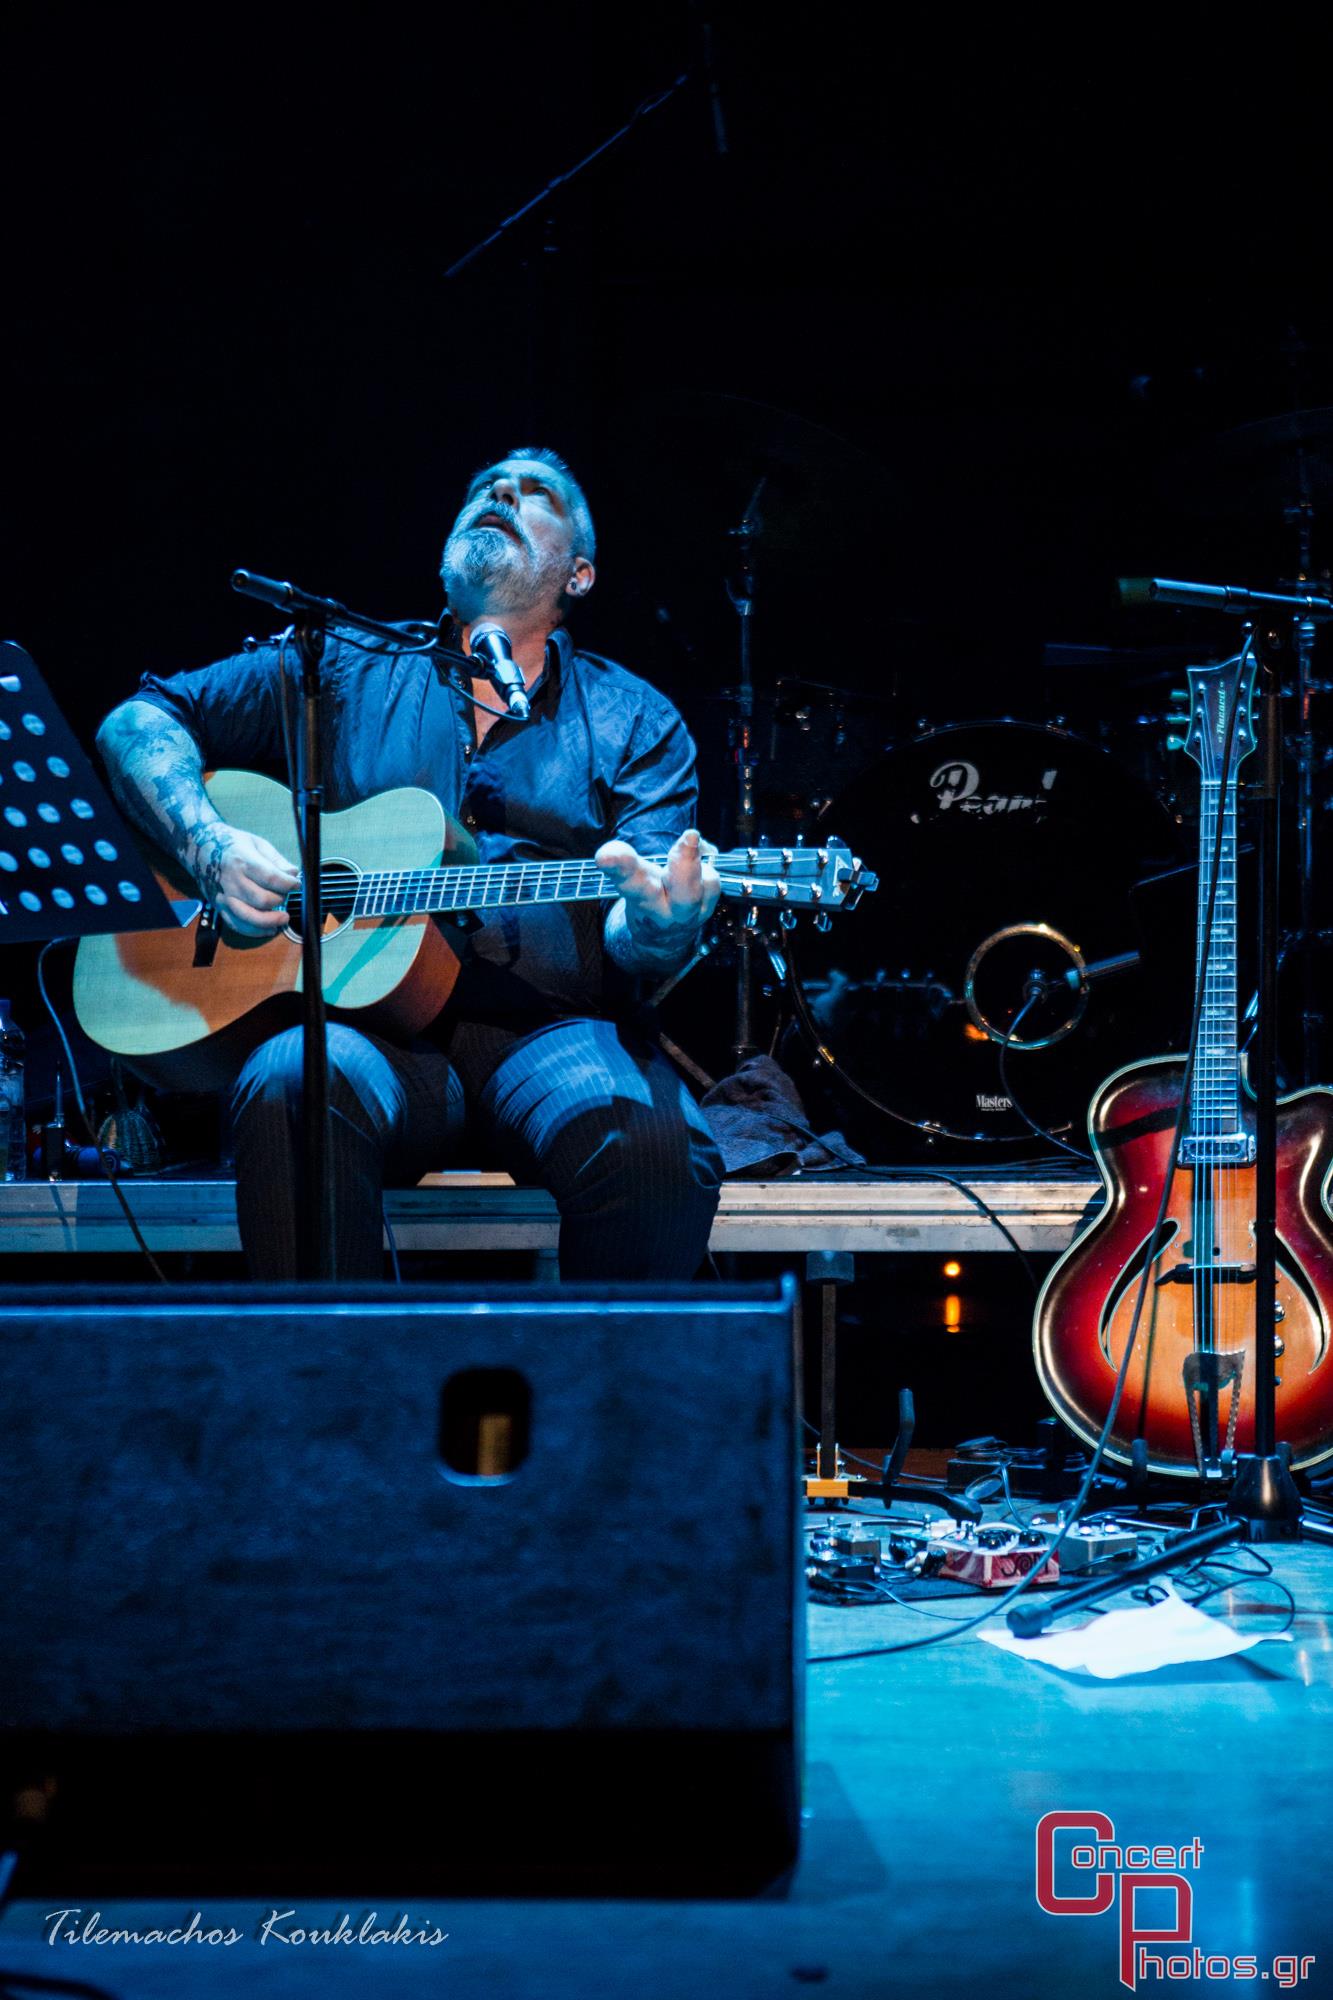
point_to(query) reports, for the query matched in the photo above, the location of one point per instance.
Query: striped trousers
(585, 1108)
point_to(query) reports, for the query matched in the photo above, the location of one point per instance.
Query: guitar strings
(1209, 875)
(528, 880)
(1215, 1247)
(1218, 1230)
(1230, 1248)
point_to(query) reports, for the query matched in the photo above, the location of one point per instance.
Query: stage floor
(927, 1774)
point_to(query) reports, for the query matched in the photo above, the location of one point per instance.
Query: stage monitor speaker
(484, 1590)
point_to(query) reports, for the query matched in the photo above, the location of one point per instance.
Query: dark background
(1018, 264)
(974, 293)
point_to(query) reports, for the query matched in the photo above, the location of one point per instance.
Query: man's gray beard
(484, 578)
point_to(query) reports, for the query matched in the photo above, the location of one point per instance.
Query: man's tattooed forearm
(157, 776)
(208, 850)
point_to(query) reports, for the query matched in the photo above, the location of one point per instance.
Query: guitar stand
(1264, 1503)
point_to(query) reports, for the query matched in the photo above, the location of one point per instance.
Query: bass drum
(1001, 848)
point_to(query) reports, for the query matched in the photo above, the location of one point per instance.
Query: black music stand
(69, 865)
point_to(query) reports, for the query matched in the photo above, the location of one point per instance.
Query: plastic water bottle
(13, 1124)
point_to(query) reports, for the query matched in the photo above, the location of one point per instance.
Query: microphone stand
(316, 1237)
(316, 1246)
(741, 593)
(1312, 1016)
(1264, 1504)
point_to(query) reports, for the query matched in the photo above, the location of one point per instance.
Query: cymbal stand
(740, 590)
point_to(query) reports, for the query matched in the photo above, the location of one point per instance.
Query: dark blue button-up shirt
(604, 756)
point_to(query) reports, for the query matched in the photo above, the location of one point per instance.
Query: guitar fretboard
(434, 891)
(1215, 1098)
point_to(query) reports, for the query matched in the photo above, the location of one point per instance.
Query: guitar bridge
(1216, 1274)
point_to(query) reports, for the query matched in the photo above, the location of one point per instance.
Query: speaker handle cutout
(485, 1425)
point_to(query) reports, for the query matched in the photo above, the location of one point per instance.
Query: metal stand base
(1264, 1506)
(832, 1485)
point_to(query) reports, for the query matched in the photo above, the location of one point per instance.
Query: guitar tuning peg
(1175, 743)
(823, 921)
(752, 917)
(787, 919)
(1179, 694)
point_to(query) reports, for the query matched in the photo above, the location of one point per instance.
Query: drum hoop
(1049, 935)
(828, 1060)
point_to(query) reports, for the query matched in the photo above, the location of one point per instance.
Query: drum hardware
(919, 1000)
(1039, 985)
(1281, 468)
(1036, 986)
(979, 818)
(741, 593)
(798, 507)
(825, 1059)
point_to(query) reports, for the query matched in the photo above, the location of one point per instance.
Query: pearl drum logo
(1151, 1889)
(957, 785)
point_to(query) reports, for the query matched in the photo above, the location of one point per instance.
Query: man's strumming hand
(243, 876)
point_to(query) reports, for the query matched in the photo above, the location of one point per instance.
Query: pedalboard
(992, 1556)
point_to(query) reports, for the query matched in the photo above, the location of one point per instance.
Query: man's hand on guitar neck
(243, 876)
(656, 924)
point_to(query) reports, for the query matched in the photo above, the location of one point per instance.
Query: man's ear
(582, 578)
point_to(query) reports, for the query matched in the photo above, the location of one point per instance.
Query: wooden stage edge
(484, 1211)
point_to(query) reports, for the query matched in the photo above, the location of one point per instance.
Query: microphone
(491, 649)
(1039, 985)
(1230, 597)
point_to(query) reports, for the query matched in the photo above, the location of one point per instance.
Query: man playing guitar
(535, 1053)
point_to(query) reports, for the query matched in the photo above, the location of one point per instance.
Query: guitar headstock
(823, 879)
(1205, 728)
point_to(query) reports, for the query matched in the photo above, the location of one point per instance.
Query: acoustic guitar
(1190, 1383)
(389, 867)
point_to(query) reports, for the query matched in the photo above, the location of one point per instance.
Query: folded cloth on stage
(761, 1128)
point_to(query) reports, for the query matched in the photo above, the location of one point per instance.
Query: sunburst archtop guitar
(1189, 1386)
(390, 866)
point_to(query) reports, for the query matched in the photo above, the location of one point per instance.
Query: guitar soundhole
(338, 884)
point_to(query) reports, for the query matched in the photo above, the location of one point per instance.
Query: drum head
(973, 830)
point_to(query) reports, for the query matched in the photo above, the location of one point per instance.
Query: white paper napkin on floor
(1166, 1634)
